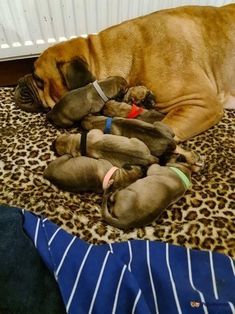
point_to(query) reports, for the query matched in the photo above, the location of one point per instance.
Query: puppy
(81, 174)
(113, 108)
(141, 96)
(158, 137)
(79, 102)
(118, 150)
(143, 201)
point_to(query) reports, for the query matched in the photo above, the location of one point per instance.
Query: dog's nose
(53, 145)
(49, 117)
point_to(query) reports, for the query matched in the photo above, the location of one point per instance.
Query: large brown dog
(184, 55)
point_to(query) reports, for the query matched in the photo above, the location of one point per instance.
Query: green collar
(182, 176)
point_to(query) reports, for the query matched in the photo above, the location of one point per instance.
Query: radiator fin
(27, 27)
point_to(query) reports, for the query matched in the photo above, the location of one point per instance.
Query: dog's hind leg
(188, 120)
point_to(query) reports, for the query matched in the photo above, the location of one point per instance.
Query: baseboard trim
(11, 71)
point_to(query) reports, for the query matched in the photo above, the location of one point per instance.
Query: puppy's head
(66, 144)
(126, 175)
(60, 143)
(141, 96)
(114, 87)
(180, 161)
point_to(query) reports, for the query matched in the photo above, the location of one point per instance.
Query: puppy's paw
(198, 162)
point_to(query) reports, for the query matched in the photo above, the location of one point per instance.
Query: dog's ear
(75, 73)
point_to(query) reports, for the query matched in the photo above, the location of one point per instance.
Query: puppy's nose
(150, 101)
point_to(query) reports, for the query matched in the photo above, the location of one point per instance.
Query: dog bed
(203, 219)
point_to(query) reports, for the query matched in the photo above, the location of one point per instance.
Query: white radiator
(27, 27)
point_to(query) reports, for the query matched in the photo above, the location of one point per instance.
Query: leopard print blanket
(204, 218)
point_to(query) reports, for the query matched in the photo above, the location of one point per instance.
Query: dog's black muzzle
(26, 95)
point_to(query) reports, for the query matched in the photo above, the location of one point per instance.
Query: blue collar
(108, 124)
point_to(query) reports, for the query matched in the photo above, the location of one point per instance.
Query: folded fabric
(26, 285)
(135, 276)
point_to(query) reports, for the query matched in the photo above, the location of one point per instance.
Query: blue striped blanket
(136, 276)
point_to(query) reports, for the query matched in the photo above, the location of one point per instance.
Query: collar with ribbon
(107, 182)
(182, 176)
(135, 112)
(108, 125)
(83, 143)
(100, 91)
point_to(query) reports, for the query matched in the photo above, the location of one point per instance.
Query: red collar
(135, 111)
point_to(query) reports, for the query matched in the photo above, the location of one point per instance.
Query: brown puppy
(87, 174)
(113, 108)
(158, 137)
(79, 102)
(185, 56)
(141, 96)
(143, 201)
(118, 150)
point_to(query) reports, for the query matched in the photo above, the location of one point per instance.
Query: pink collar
(106, 181)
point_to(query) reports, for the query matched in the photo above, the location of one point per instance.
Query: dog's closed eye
(39, 82)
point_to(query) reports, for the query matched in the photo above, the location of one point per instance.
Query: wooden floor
(11, 71)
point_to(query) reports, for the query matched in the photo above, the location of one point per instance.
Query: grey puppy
(81, 101)
(141, 96)
(143, 201)
(118, 150)
(113, 108)
(158, 137)
(82, 174)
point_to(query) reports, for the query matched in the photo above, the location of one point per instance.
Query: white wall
(27, 27)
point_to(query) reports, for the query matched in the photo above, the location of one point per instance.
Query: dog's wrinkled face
(50, 80)
(27, 95)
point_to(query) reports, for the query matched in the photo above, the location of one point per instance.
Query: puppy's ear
(75, 73)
